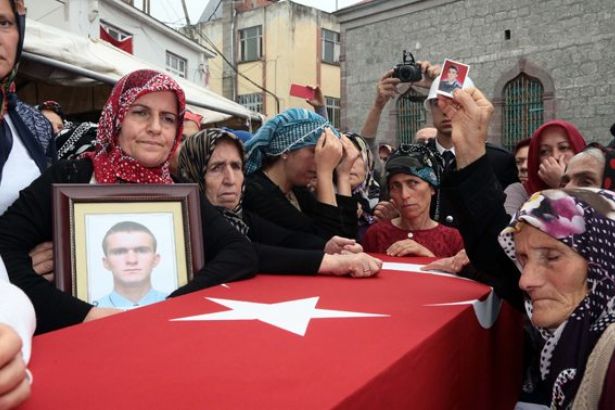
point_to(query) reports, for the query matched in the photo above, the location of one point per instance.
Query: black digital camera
(408, 71)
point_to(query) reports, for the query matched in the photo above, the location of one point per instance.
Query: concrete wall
(150, 40)
(214, 32)
(291, 53)
(569, 44)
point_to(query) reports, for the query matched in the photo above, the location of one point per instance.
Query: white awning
(97, 60)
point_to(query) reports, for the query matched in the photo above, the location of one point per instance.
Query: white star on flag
(293, 316)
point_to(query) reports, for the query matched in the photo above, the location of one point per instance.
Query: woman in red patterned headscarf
(135, 139)
(139, 129)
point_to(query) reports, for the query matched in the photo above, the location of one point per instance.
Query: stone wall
(568, 44)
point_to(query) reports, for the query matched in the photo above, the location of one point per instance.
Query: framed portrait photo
(126, 245)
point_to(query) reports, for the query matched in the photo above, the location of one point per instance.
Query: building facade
(535, 60)
(264, 47)
(130, 29)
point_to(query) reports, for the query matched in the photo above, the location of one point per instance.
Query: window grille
(252, 102)
(251, 43)
(330, 46)
(333, 110)
(523, 109)
(177, 65)
(411, 115)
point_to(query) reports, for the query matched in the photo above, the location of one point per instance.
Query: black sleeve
(503, 165)
(279, 260)
(263, 198)
(268, 233)
(327, 219)
(479, 205)
(229, 256)
(283, 251)
(27, 223)
(348, 207)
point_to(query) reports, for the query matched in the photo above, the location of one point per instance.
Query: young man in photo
(130, 255)
(449, 82)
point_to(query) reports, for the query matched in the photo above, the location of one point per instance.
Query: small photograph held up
(453, 76)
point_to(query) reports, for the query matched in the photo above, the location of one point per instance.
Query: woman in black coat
(139, 129)
(214, 159)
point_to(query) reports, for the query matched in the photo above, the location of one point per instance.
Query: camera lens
(408, 72)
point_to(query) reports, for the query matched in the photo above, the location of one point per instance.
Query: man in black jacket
(502, 161)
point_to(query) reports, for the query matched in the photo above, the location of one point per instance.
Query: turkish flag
(392, 341)
(125, 44)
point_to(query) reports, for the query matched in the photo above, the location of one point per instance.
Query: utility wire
(214, 12)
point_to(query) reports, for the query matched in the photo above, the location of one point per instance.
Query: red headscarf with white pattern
(577, 143)
(111, 164)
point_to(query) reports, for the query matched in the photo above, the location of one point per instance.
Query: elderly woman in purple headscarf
(561, 241)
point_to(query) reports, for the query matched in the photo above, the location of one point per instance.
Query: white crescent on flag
(486, 311)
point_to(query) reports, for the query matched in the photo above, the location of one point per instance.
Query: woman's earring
(284, 156)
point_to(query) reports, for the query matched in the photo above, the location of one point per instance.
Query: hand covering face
(577, 143)
(291, 130)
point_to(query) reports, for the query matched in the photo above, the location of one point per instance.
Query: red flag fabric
(419, 354)
(125, 44)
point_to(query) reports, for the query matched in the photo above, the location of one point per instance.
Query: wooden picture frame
(87, 218)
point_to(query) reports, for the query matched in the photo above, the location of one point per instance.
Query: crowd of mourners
(299, 196)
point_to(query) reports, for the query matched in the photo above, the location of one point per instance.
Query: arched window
(410, 115)
(523, 109)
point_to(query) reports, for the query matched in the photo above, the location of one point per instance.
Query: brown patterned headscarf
(192, 165)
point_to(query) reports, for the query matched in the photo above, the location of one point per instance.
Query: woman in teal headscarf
(283, 157)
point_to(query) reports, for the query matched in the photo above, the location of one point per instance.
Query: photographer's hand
(386, 89)
(430, 73)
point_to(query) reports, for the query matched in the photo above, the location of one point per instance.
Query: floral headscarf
(291, 130)
(111, 164)
(577, 143)
(584, 220)
(192, 165)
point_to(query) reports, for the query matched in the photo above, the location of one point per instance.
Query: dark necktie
(449, 159)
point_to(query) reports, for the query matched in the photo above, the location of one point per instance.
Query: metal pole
(186, 12)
